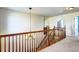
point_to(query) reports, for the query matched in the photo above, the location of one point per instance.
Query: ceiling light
(30, 35)
(69, 8)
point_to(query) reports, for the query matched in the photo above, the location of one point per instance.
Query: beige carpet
(69, 44)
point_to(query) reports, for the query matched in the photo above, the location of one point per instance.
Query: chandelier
(30, 36)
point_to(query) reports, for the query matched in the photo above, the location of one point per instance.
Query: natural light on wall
(62, 23)
(17, 23)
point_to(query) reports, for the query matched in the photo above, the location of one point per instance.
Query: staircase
(19, 42)
(52, 37)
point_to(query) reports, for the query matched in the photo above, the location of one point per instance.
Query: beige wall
(13, 22)
(68, 20)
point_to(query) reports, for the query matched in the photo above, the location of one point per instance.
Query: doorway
(76, 25)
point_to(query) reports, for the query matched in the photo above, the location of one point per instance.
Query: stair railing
(18, 43)
(47, 41)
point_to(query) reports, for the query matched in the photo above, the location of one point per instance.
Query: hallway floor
(69, 44)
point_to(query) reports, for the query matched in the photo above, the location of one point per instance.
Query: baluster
(30, 43)
(25, 42)
(22, 43)
(36, 40)
(32, 46)
(54, 34)
(12, 43)
(16, 43)
(35, 43)
(19, 43)
(4, 44)
(9, 43)
(48, 38)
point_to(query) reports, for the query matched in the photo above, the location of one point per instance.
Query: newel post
(65, 31)
(45, 30)
(48, 42)
(54, 30)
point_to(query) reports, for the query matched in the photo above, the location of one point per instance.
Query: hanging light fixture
(30, 35)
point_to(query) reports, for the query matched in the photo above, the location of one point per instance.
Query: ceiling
(44, 11)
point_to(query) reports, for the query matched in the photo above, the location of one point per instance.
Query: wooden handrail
(25, 33)
(22, 33)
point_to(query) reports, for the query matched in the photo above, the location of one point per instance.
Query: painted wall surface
(14, 22)
(68, 21)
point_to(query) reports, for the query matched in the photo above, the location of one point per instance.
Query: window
(76, 25)
(60, 23)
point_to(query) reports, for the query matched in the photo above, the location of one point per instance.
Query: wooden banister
(31, 45)
(20, 33)
(46, 38)
(43, 42)
(4, 35)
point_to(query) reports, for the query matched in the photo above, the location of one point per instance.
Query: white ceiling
(44, 11)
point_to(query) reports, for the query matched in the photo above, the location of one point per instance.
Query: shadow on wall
(3, 21)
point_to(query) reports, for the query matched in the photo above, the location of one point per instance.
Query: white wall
(13, 22)
(68, 20)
